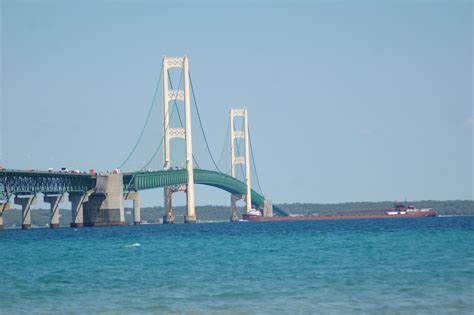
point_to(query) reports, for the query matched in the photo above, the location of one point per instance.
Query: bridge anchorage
(98, 199)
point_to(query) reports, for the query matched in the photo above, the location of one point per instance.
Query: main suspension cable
(146, 121)
(152, 156)
(225, 143)
(200, 123)
(253, 162)
(166, 127)
(161, 141)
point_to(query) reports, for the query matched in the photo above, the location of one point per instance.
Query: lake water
(392, 266)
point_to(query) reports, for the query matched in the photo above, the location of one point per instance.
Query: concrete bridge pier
(77, 210)
(168, 218)
(3, 206)
(135, 196)
(26, 202)
(267, 208)
(54, 201)
(105, 205)
(234, 216)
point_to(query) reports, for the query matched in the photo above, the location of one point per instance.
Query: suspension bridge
(97, 199)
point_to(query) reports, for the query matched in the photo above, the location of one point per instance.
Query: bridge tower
(235, 160)
(171, 133)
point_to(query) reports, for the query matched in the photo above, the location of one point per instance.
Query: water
(396, 266)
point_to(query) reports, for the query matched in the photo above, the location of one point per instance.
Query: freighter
(400, 211)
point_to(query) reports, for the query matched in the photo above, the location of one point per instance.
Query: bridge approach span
(21, 182)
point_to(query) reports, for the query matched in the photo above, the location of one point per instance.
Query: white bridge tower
(235, 160)
(171, 133)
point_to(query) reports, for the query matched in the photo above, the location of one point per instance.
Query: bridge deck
(19, 182)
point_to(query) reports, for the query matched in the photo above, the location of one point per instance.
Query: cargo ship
(399, 211)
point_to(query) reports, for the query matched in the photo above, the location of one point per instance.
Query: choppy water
(403, 266)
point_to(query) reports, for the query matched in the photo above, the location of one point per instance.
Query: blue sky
(348, 101)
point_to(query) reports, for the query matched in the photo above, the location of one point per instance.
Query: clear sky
(348, 101)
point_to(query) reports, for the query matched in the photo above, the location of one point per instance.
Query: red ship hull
(418, 214)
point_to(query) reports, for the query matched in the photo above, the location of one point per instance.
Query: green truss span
(150, 180)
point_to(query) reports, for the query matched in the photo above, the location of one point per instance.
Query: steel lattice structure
(17, 182)
(151, 180)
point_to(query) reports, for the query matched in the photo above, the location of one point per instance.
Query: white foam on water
(134, 245)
